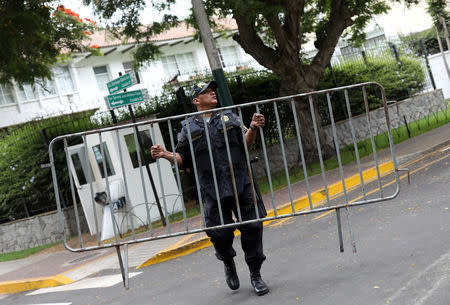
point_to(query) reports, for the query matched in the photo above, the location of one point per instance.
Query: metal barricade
(94, 178)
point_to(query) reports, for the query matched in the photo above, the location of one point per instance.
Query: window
(375, 42)
(79, 163)
(25, 93)
(102, 77)
(63, 80)
(99, 158)
(6, 95)
(178, 64)
(229, 56)
(128, 67)
(349, 50)
(46, 88)
(131, 145)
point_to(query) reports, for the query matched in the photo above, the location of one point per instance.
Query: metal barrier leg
(352, 237)
(123, 268)
(341, 241)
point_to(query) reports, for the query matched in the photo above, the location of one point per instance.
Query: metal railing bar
(372, 140)
(355, 144)
(72, 189)
(283, 154)
(249, 169)
(213, 167)
(91, 188)
(266, 162)
(244, 105)
(108, 189)
(194, 165)
(141, 174)
(302, 154)
(163, 193)
(298, 213)
(230, 165)
(124, 176)
(177, 171)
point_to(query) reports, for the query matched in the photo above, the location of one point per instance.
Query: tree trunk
(305, 121)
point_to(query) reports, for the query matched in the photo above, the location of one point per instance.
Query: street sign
(122, 82)
(126, 98)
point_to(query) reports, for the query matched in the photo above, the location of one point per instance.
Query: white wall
(87, 94)
(440, 75)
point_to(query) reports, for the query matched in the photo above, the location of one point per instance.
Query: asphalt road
(403, 258)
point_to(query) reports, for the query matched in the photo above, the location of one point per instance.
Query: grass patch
(25, 253)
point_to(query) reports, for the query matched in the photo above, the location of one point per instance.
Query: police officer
(203, 96)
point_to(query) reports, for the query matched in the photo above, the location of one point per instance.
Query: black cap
(198, 88)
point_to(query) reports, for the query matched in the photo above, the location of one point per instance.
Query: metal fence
(159, 192)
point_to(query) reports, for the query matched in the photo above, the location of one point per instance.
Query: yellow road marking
(34, 283)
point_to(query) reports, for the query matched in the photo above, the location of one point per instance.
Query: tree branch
(249, 40)
(340, 19)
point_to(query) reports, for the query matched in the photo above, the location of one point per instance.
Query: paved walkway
(63, 267)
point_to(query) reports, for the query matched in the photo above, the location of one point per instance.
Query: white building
(81, 84)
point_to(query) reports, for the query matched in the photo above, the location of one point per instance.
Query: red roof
(103, 39)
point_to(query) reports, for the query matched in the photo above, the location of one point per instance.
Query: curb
(34, 283)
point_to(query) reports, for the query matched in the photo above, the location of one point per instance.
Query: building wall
(39, 230)
(441, 78)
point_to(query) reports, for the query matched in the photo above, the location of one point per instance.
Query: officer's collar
(215, 114)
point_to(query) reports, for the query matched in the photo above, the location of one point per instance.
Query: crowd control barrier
(122, 191)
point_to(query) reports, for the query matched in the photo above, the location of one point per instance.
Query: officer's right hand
(157, 151)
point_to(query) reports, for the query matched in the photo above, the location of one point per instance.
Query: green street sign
(126, 98)
(122, 82)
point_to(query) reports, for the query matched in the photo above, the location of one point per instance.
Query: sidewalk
(64, 267)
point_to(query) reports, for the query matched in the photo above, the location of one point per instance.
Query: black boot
(231, 275)
(255, 279)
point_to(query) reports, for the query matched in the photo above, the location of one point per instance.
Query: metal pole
(425, 55)
(147, 168)
(444, 26)
(211, 52)
(442, 52)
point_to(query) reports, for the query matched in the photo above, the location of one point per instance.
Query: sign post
(127, 98)
(122, 82)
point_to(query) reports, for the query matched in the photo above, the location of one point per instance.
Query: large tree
(272, 31)
(36, 34)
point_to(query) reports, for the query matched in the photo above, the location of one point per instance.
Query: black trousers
(222, 239)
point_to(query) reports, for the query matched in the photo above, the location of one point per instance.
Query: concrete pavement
(63, 267)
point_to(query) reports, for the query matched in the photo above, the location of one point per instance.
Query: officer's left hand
(258, 120)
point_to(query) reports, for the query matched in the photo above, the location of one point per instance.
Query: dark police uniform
(222, 239)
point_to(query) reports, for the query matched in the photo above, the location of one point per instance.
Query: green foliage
(430, 42)
(34, 35)
(24, 184)
(439, 9)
